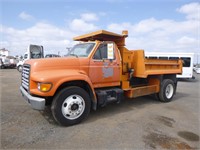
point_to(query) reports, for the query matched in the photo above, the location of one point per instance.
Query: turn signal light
(44, 87)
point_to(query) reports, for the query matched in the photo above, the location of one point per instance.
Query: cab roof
(103, 35)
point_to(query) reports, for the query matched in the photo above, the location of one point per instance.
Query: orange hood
(54, 64)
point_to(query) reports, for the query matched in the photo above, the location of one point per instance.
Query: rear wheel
(70, 106)
(167, 90)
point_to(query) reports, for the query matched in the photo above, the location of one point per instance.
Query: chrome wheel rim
(73, 107)
(169, 91)
(20, 68)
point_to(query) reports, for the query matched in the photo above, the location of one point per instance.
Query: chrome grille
(25, 76)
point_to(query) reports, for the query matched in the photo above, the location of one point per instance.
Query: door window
(102, 52)
(186, 61)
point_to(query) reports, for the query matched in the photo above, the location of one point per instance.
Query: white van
(187, 58)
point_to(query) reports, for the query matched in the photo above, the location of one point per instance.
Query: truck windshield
(81, 50)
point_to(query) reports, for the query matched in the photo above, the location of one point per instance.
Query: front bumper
(36, 102)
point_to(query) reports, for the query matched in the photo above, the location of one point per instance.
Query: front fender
(57, 78)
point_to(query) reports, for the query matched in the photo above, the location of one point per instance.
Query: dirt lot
(142, 123)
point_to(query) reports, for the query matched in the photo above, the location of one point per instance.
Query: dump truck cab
(103, 59)
(97, 71)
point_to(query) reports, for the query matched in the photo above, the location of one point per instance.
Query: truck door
(105, 65)
(36, 51)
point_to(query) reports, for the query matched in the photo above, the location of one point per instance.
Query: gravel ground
(141, 123)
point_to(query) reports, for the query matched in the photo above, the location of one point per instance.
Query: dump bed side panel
(144, 67)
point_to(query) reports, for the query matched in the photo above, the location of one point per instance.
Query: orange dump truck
(97, 71)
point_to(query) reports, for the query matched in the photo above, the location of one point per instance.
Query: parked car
(13, 61)
(51, 55)
(8, 62)
(197, 68)
(5, 61)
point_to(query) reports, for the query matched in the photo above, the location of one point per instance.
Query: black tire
(19, 68)
(70, 106)
(167, 90)
(2, 67)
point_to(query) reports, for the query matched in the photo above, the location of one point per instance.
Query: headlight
(44, 87)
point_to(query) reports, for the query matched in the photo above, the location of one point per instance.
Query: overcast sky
(163, 26)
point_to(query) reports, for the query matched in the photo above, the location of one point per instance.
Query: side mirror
(110, 51)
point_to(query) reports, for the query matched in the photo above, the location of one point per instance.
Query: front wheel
(70, 106)
(167, 90)
(19, 68)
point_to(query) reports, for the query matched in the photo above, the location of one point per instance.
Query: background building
(4, 52)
